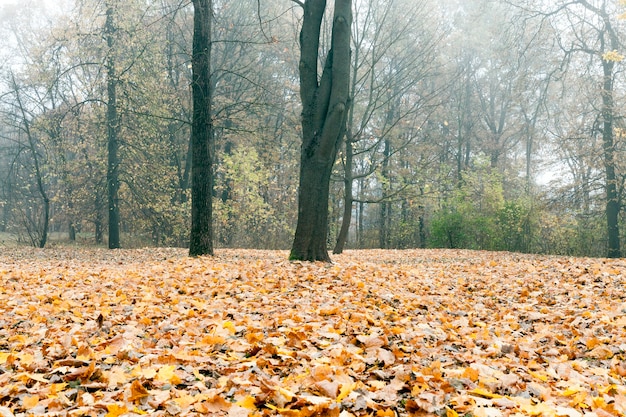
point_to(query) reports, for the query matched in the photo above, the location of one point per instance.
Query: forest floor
(91, 332)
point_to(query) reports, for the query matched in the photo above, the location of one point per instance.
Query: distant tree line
(486, 125)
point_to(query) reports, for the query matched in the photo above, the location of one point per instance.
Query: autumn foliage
(248, 333)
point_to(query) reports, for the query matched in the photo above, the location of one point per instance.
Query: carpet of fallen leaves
(87, 332)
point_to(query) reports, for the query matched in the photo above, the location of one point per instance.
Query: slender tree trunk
(324, 109)
(385, 206)
(201, 239)
(612, 197)
(113, 162)
(348, 200)
(360, 227)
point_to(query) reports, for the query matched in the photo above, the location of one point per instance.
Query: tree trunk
(348, 200)
(113, 184)
(385, 206)
(324, 110)
(201, 238)
(360, 227)
(612, 197)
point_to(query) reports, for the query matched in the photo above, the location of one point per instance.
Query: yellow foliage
(613, 56)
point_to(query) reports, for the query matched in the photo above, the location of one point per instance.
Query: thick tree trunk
(113, 185)
(201, 238)
(612, 197)
(310, 239)
(324, 109)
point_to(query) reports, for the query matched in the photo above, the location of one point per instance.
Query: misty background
(474, 124)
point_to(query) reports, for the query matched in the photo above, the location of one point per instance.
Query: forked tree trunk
(324, 110)
(201, 238)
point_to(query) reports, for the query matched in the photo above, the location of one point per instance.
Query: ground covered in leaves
(248, 333)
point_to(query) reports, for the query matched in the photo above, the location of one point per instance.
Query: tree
(39, 236)
(113, 182)
(325, 102)
(201, 238)
(598, 37)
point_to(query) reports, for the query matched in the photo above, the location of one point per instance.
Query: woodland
(446, 151)
(477, 124)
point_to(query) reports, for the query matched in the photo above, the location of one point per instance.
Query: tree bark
(113, 185)
(201, 238)
(324, 110)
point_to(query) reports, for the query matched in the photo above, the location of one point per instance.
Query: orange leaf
(115, 410)
(471, 374)
(483, 393)
(137, 391)
(211, 340)
(84, 353)
(30, 401)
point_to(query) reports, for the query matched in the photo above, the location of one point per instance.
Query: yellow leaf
(34, 377)
(3, 357)
(185, 400)
(26, 358)
(572, 390)
(115, 410)
(483, 393)
(345, 390)
(539, 376)
(451, 413)
(247, 402)
(167, 374)
(286, 393)
(385, 413)
(228, 325)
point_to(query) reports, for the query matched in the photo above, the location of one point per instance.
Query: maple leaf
(137, 391)
(114, 410)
